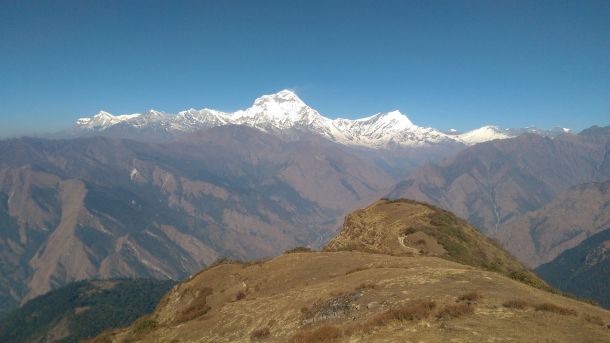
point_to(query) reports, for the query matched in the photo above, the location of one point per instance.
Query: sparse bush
(548, 307)
(594, 319)
(407, 231)
(323, 334)
(470, 296)
(365, 286)
(298, 249)
(144, 327)
(455, 311)
(409, 312)
(258, 262)
(358, 269)
(240, 295)
(260, 334)
(519, 304)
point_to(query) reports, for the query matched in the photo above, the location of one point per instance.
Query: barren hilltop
(398, 271)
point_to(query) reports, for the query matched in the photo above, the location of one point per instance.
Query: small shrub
(240, 295)
(455, 311)
(407, 231)
(594, 319)
(258, 262)
(365, 286)
(298, 249)
(358, 269)
(548, 307)
(260, 334)
(143, 327)
(519, 304)
(410, 312)
(323, 334)
(470, 296)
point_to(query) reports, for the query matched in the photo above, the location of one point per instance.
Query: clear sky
(446, 64)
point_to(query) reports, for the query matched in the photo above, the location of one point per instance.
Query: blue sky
(446, 64)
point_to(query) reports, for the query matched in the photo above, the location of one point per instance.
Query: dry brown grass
(470, 296)
(417, 310)
(260, 334)
(548, 307)
(322, 334)
(519, 304)
(455, 311)
(594, 319)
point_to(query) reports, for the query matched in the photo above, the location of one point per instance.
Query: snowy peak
(283, 96)
(103, 120)
(484, 134)
(279, 105)
(393, 120)
(282, 110)
(285, 114)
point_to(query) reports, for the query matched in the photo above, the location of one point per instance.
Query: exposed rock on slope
(369, 297)
(583, 270)
(539, 236)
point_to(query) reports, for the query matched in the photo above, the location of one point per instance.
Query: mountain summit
(284, 113)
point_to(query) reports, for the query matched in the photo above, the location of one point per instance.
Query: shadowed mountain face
(495, 182)
(583, 270)
(82, 310)
(103, 208)
(572, 216)
(375, 282)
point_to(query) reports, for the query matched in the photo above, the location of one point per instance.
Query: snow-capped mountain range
(285, 112)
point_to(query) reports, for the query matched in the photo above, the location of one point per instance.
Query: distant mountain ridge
(574, 215)
(284, 113)
(98, 207)
(494, 182)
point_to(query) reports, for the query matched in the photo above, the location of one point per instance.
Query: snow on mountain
(103, 120)
(286, 112)
(192, 119)
(484, 134)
